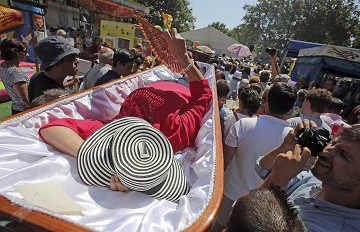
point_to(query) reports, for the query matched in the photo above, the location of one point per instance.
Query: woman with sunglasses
(14, 78)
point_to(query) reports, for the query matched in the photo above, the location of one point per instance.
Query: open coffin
(26, 160)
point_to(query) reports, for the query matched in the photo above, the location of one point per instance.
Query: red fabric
(172, 108)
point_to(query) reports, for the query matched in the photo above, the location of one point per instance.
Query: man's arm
(287, 166)
(228, 154)
(288, 145)
(177, 46)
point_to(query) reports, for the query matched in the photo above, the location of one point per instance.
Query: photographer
(328, 196)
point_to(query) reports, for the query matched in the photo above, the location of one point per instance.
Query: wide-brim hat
(52, 49)
(140, 155)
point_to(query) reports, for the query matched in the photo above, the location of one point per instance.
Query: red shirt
(172, 108)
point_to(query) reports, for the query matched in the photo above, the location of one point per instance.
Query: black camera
(270, 50)
(315, 139)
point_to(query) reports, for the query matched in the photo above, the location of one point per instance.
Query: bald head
(105, 55)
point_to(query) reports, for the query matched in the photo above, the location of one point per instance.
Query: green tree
(179, 10)
(220, 26)
(274, 22)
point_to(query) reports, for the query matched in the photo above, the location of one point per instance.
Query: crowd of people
(272, 183)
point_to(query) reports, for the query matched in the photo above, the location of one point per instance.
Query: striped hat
(140, 155)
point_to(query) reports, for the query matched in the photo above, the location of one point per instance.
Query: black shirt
(39, 83)
(107, 77)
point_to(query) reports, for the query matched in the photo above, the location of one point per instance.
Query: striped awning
(116, 8)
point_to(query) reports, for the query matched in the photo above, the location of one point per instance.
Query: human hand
(287, 165)
(115, 184)
(177, 47)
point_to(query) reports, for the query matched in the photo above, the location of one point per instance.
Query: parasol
(205, 49)
(240, 50)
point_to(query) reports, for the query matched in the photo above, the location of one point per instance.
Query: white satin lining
(26, 160)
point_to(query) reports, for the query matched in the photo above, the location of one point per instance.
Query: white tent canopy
(211, 37)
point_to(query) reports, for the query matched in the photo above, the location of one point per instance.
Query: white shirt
(93, 74)
(253, 137)
(319, 122)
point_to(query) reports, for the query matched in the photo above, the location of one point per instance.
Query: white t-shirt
(253, 137)
(231, 120)
(319, 122)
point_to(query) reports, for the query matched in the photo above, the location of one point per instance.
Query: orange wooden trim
(34, 217)
(204, 222)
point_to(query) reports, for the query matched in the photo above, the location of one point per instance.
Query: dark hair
(223, 88)
(281, 98)
(247, 70)
(228, 67)
(335, 106)
(301, 94)
(139, 58)
(352, 133)
(10, 47)
(319, 99)
(264, 76)
(123, 57)
(250, 100)
(256, 87)
(49, 96)
(265, 210)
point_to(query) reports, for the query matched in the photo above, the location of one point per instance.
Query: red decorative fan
(158, 46)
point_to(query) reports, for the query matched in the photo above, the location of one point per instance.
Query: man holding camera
(250, 138)
(328, 196)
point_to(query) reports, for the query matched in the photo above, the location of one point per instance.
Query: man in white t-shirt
(249, 139)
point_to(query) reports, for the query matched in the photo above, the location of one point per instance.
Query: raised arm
(177, 45)
(288, 145)
(286, 166)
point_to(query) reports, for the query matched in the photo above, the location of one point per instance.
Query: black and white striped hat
(139, 154)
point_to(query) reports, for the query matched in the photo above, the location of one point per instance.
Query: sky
(228, 12)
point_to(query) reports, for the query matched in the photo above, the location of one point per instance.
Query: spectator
(94, 49)
(14, 79)
(58, 60)
(254, 79)
(148, 62)
(219, 75)
(105, 61)
(330, 85)
(296, 110)
(265, 76)
(61, 32)
(234, 82)
(249, 103)
(315, 103)
(123, 62)
(139, 60)
(228, 69)
(223, 88)
(250, 138)
(246, 73)
(248, 212)
(331, 115)
(88, 41)
(138, 47)
(328, 196)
